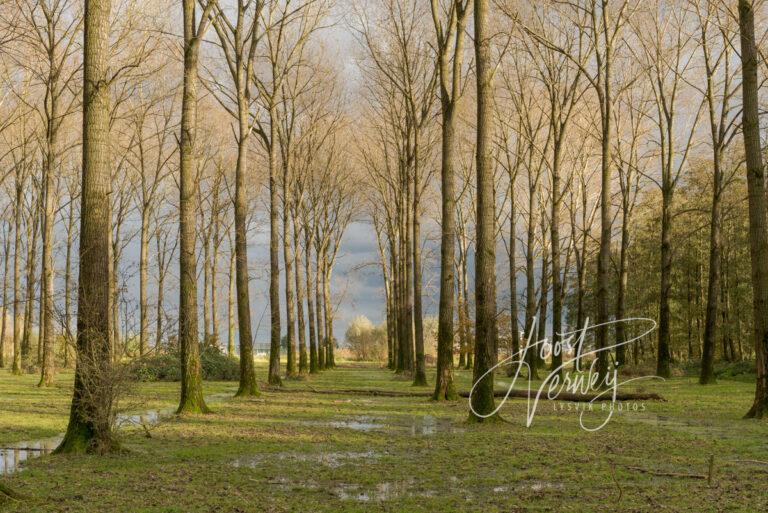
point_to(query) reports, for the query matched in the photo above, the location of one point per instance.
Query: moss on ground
(305, 452)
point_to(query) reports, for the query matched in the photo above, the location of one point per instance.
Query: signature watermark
(569, 378)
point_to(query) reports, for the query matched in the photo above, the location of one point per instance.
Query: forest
(390, 255)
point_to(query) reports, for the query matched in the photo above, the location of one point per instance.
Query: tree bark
(313, 335)
(87, 429)
(758, 231)
(192, 400)
(248, 385)
(302, 328)
(274, 260)
(18, 319)
(482, 401)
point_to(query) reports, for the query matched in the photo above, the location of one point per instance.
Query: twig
(667, 474)
(613, 475)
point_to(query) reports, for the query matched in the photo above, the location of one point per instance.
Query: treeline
(214, 128)
(617, 182)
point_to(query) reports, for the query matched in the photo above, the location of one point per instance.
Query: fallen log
(516, 393)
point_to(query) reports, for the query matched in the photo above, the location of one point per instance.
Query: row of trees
(606, 166)
(180, 135)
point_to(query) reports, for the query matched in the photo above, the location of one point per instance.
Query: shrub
(216, 366)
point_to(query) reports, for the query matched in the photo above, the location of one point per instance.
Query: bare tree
(87, 430)
(191, 400)
(758, 229)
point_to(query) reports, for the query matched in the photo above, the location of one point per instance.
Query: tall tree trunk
(31, 264)
(544, 291)
(288, 260)
(514, 328)
(274, 259)
(665, 291)
(313, 335)
(231, 307)
(143, 279)
(758, 231)
(68, 282)
(320, 308)
(621, 337)
(420, 370)
(328, 310)
(444, 386)
(302, 328)
(557, 292)
(160, 294)
(482, 401)
(532, 354)
(248, 385)
(206, 287)
(6, 261)
(407, 254)
(89, 429)
(18, 319)
(604, 254)
(192, 400)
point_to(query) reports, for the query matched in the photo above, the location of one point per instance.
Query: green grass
(285, 452)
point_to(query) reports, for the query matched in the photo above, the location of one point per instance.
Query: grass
(307, 452)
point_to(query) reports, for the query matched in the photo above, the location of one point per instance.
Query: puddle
(381, 492)
(689, 426)
(326, 459)
(359, 423)
(418, 425)
(534, 486)
(13, 455)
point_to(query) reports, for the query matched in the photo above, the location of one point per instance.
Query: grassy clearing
(308, 452)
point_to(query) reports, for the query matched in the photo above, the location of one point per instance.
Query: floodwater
(13, 455)
(416, 425)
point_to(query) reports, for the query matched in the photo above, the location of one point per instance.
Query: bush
(216, 366)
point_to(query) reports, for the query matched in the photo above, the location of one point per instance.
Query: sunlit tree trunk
(758, 230)
(482, 401)
(313, 334)
(18, 316)
(84, 433)
(302, 328)
(191, 400)
(231, 306)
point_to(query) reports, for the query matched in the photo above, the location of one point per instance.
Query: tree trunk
(557, 293)
(482, 401)
(160, 293)
(143, 279)
(288, 260)
(191, 400)
(621, 350)
(31, 264)
(420, 370)
(328, 311)
(320, 308)
(444, 386)
(6, 261)
(231, 307)
(758, 231)
(18, 319)
(313, 361)
(707, 375)
(248, 385)
(88, 428)
(274, 260)
(663, 355)
(302, 328)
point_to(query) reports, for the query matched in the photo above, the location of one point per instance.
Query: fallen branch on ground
(7, 492)
(518, 394)
(667, 474)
